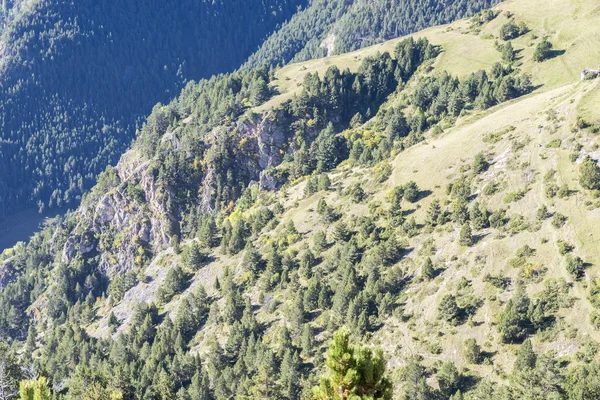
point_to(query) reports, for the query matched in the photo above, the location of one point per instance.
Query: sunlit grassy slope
(573, 26)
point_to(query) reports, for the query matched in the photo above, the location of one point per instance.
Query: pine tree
(199, 388)
(193, 256)
(290, 375)
(466, 236)
(526, 357)
(341, 232)
(324, 182)
(542, 50)
(434, 214)
(449, 379)
(472, 351)
(513, 322)
(36, 389)
(353, 371)
(252, 260)
(113, 322)
(207, 233)
(319, 242)
(508, 53)
(589, 174)
(327, 149)
(307, 339)
(264, 386)
(415, 387)
(427, 271)
(395, 214)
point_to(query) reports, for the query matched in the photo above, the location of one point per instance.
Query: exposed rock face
(142, 226)
(125, 229)
(589, 73)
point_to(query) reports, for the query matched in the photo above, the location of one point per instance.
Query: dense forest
(77, 76)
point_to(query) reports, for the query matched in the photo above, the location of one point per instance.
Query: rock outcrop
(588, 74)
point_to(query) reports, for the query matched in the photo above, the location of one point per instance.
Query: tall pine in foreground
(354, 372)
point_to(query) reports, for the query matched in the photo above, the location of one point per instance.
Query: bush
(542, 213)
(542, 51)
(174, 283)
(411, 192)
(466, 236)
(480, 164)
(554, 144)
(472, 351)
(193, 257)
(509, 31)
(564, 247)
(589, 174)
(558, 220)
(575, 266)
(499, 281)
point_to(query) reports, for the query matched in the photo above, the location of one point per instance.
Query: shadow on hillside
(424, 194)
(555, 53)
(477, 238)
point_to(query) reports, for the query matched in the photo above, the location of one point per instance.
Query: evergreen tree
(193, 256)
(207, 233)
(36, 389)
(466, 236)
(526, 357)
(449, 379)
(508, 53)
(427, 271)
(328, 149)
(589, 174)
(542, 50)
(472, 351)
(513, 322)
(353, 371)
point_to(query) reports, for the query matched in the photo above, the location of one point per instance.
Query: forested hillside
(334, 27)
(413, 220)
(76, 76)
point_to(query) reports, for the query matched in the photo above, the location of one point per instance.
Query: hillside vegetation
(424, 209)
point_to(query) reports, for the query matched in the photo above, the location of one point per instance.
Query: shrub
(509, 31)
(466, 236)
(575, 266)
(542, 51)
(514, 196)
(558, 220)
(480, 164)
(564, 247)
(193, 257)
(589, 174)
(472, 351)
(499, 281)
(542, 213)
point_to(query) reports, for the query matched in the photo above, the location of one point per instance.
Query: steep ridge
(77, 77)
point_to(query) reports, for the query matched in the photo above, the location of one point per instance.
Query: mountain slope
(443, 213)
(76, 77)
